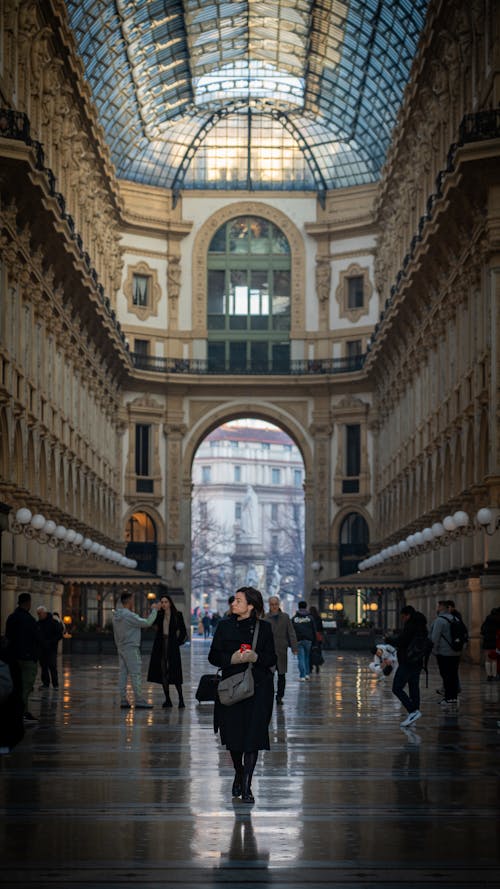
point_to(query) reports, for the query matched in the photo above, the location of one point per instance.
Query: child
(385, 660)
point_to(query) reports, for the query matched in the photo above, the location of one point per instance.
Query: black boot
(247, 795)
(167, 702)
(237, 784)
(181, 698)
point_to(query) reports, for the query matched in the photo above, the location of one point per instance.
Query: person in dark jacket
(305, 632)
(22, 633)
(244, 726)
(316, 651)
(284, 638)
(412, 636)
(50, 633)
(165, 666)
(490, 632)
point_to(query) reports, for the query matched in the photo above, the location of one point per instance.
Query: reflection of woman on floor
(165, 665)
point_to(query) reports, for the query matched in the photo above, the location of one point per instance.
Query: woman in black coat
(244, 727)
(165, 665)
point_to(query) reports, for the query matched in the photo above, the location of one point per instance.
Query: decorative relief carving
(154, 291)
(342, 292)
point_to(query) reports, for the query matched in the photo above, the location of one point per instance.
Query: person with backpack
(449, 636)
(412, 646)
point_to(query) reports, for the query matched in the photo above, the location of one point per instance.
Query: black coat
(244, 726)
(21, 630)
(416, 625)
(177, 635)
(50, 632)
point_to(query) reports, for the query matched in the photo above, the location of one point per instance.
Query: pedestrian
(165, 665)
(490, 632)
(244, 726)
(385, 660)
(207, 623)
(11, 706)
(448, 659)
(305, 632)
(284, 638)
(229, 611)
(50, 633)
(23, 649)
(411, 644)
(127, 627)
(317, 647)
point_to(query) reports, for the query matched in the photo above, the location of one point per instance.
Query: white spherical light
(485, 516)
(23, 516)
(61, 532)
(437, 529)
(49, 527)
(427, 534)
(38, 521)
(449, 523)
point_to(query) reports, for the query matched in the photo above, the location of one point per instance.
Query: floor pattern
(95, 796)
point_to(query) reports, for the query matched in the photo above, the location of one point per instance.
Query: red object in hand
(245, 647)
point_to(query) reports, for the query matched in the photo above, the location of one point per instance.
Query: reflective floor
(97, 796)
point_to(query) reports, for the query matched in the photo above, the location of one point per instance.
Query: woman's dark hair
(253, 597)
(173, 610)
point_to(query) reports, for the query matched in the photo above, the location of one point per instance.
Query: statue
(274, 586)
(252, 578)
(249, 514)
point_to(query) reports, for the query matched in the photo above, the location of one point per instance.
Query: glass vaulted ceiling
(282, 94)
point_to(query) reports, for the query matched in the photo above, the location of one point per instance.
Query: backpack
(459, 635)
(419, 650)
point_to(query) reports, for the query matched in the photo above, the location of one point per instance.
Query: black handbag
(207, 687)
(238, 686)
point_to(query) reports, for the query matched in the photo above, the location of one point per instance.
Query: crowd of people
(246, 635)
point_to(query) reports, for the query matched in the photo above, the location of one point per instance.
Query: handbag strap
(255, 634)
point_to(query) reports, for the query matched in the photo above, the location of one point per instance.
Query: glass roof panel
(323, 80)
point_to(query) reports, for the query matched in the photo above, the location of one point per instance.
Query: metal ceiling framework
(259, 94)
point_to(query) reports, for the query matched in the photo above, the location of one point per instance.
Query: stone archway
(215, 416)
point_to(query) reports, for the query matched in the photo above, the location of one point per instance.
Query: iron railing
(155, 364)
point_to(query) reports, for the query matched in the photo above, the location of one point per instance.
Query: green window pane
(216, 292)
(237, 356)
(218, 242)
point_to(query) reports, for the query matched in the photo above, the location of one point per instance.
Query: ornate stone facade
(426, 242)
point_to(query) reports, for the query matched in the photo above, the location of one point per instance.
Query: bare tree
(212, 544)
(289, 551)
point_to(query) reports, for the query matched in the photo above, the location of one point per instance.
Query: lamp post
(4, 524)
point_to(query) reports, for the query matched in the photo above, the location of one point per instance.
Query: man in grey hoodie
(127, 627)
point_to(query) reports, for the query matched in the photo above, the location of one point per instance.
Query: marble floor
(96, 796)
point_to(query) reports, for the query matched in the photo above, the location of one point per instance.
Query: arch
(32, 478)
(200, 253)
(469, 457)
(152, 513)
(447, 471)
(483, 449)
(141, 536)
(428, 487)
(18, 457)
(353, 541)
(457, 468)
(70, 492)
(42, 471)
(4, 446)
(235, 410)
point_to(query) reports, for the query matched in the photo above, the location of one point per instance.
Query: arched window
(248, 297)
(353, 543)
(141, 539)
